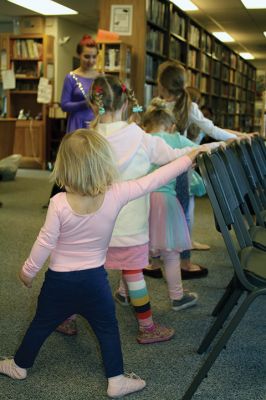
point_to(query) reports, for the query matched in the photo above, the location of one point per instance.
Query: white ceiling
(246, 26)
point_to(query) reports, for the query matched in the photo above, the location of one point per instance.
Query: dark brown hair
(109, 94)
(172, 77)
(86, 41)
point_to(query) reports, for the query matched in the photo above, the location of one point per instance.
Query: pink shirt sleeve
(45, 242)
(130, 190)
(160, 152)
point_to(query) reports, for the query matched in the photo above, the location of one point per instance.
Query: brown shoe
(157, 333)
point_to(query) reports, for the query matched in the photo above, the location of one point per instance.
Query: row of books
(155, 10)
(194, 35)
(206, 42)
(152, 64)
(150, 91)
(206, 64)
(177, 50)
(178, 25)
(27, 69)
(27, 48)
(26, 85)
(155, 40)
(193, 78)
(193, 59)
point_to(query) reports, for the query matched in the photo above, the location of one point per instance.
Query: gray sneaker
(122, 300)
(188, 300)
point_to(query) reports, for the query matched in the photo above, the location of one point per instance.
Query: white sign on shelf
(121, 19)
(44, 91)
(8, 78)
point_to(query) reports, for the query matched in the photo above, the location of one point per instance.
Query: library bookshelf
(161, 31)
(115, 58)
(31, 57)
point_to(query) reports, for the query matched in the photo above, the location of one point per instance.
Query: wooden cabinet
(31, 57)
(30, 142)
(162, 31)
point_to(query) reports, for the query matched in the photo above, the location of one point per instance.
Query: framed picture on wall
(121, 19)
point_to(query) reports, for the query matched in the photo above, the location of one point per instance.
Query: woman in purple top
(76, 86)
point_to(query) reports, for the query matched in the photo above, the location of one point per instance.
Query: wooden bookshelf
(115, 58)
(31, 57)
(162, 31)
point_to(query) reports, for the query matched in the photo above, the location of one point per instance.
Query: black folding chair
(258, 158)
(244, 196)
(248, 262)
(251, 173)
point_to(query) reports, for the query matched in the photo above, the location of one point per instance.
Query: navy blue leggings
(182, 193)
(80, 292)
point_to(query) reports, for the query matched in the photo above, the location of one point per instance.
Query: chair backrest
(226, 208)
(251, 174)
(262, 143)
(227, 198)
(247, 200)
(256, 155)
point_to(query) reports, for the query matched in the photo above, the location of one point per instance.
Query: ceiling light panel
(223, 36)
(45, 7)
(185, 5)
(247, 56)
(254, 4)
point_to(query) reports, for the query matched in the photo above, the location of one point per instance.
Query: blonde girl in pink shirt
(76, 235)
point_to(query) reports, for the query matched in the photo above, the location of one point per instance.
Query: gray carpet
(71, 368)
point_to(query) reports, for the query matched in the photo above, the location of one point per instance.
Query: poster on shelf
(8, 79)
(121, 19)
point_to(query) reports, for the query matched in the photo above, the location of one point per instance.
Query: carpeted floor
(71, 368)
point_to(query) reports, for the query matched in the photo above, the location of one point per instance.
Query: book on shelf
(177, 50)
(155, 40)
(194, 35)
(204, 84)
(150, 91)
(178, 24)
(27, 48)
(193, 57)
(152, 64)
(193, 78)
(206, 42)
(205, 63)
(156, 12)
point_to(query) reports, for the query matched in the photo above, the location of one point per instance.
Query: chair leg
(202, 373)
(218, 323)
(229, 290)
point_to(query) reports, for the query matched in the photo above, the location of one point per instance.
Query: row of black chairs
(235, 180)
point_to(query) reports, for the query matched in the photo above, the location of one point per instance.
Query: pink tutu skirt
(168, 226)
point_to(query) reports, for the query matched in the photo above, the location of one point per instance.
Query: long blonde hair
(109, 94)
(158, 115)
(85, 163)
(172, 77)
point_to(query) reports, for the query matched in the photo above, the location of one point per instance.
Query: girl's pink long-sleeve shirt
(76, 242)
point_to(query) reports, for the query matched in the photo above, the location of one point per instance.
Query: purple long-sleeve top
(74, 103)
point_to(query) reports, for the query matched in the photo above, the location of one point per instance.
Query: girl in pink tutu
(169, 234)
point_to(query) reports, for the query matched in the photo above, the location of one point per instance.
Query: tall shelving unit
(31, 57)
(162, 31)
(115, 58)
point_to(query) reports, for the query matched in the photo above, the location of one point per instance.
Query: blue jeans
(63, 294)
